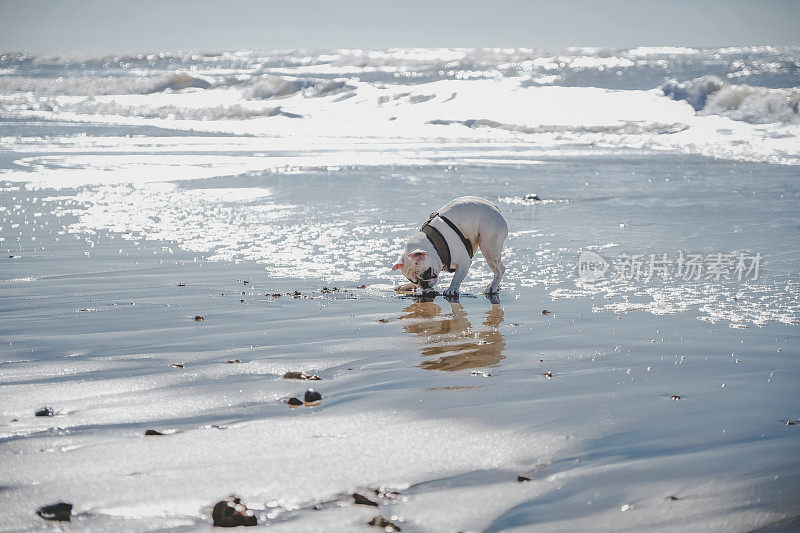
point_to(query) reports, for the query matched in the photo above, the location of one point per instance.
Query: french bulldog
(448, 241)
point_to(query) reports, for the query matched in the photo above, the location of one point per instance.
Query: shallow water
(117, 233)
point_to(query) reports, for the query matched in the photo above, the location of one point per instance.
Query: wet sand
(445, 402)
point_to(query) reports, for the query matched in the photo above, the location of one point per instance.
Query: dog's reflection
(449, 341)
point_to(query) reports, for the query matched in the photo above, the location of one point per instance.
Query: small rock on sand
(43, 411)
(301, 375)
(380, 521)
(152, 433)
(312, 396)
(231, 512)
(360, 499)
(60, 512)
(386, 494)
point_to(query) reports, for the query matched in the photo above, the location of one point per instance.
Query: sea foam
(710, 95)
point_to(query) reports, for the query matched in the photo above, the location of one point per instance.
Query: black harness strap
(440, 243)
(467, 243)
(437, 239)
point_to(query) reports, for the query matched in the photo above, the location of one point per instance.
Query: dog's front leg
(458, 277)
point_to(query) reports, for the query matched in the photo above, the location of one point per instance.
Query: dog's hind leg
(492, 251)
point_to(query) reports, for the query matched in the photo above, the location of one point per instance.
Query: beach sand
(445, 402)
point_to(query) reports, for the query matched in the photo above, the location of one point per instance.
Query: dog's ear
(399, 263)
(417, 255)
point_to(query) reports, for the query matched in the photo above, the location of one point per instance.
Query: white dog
(448, 240)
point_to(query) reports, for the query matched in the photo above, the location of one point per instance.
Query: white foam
(710, 95)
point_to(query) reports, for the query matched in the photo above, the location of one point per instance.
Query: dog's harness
(440, 243)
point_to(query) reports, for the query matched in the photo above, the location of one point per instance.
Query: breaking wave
(630, 128)
(272, 87)
(710, 95)
(102, 85)
(257, 88)
(92, 107)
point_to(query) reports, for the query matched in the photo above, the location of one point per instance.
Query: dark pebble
(60, 512)
(44, 411)
(301, 375)
(232, 513)
(360, 499)
(380, 521)
(523, 479)
(152, 432)
(294, 401)
(312, 396)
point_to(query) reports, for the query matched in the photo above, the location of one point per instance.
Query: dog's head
(419, 269)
